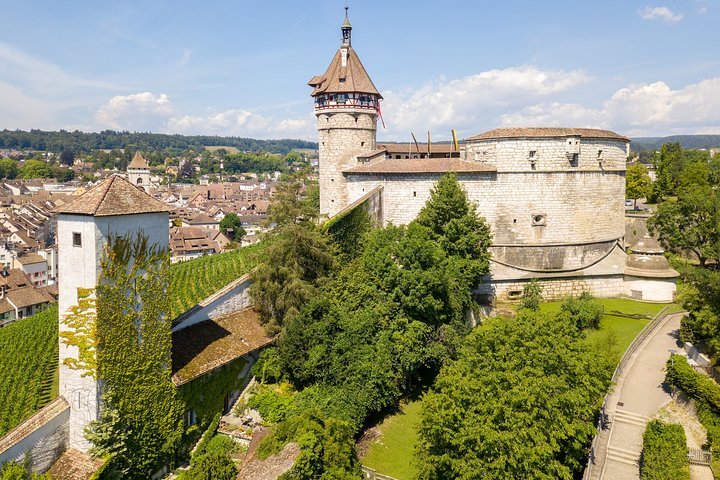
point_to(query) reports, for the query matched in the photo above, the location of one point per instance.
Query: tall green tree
(35, 169)
(691, 223)
(232, 227)
(637, 182)
(8, 168)
(519, 402)
(299, 258)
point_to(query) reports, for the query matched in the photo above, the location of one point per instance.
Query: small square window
(77, 239)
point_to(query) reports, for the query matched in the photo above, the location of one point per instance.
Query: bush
(272, 405)
(695, 385)
(583, 312)
(532, 295)
(268, 368)
(664, 454)
(207, 436)
(211, 467)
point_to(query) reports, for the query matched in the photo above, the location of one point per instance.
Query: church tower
(138, 172)
(346, 107)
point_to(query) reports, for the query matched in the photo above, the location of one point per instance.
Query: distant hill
(109, 139)
(685, 141)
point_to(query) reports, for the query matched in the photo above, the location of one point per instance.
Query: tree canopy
(637, 181)
(519, 402)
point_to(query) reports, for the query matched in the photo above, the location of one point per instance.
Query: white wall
(78, 267)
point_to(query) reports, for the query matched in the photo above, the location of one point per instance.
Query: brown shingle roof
(28, 296)
(353, 78)
(138, 162)
(74, 465)
(30, 258)
(113, 196)
(546, 132)
(205, 346)
(422, 165)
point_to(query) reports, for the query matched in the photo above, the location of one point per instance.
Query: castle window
(574, 160)
(515, 294)
(362, 144)
(414, 194)
(139, 181)
(77, 239)
(538, 220)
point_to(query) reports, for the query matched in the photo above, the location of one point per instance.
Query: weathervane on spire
(346, 27)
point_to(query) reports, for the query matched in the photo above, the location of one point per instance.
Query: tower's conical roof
(351, 78)
(138, 162)
(346, 73)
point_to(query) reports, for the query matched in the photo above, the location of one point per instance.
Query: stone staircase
(625, 462)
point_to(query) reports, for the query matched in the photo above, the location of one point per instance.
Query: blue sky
(240, 67)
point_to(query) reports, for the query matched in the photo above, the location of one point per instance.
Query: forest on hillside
(685, 141)
(85, 142)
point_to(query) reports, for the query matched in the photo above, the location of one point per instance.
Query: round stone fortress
(554, 197)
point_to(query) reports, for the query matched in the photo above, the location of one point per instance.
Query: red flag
(380, 113)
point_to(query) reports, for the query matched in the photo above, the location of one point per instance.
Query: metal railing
(372, 474)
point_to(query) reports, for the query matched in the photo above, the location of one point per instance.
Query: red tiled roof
(546, 132)
(353, 78)
(113, 196)
(422, 165)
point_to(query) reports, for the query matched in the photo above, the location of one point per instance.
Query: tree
(67, 157)
(231, 226)
(20, 471)
(187, 170)
(8, 168)
(35, 169)
(691, 223)
(532, 295)
(299, 258)
(519, 402)
(637, 182)
(211, 467)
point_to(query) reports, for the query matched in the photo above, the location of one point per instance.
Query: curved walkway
(638, 395)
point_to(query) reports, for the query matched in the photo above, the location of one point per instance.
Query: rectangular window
(77, 239)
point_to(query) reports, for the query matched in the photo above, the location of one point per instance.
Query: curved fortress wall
(555, 206)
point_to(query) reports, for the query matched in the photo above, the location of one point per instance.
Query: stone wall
(342, 136)
(231, 298)
(557, 288)
(550, 154)
(574, 207)
(635, 228)
(44, 436)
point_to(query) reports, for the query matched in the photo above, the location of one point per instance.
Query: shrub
(272, 405)
(207, 436)
(532, 295)
(664, 454)
(268, 368)
(695, 385)
(583, 312)
(211, 467)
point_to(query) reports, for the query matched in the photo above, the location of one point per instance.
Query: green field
(393, 453)
(227, 149)
(28, 367)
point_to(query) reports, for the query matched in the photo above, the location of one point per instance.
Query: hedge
(695, 385)
(664, 454)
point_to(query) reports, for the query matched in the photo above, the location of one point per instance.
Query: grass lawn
(393, 453)
(626, 329)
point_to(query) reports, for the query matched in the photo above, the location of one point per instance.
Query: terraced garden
(195, 280)
(28, 367)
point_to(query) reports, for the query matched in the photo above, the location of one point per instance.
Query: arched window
(139, 180)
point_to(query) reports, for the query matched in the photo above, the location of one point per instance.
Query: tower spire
(346, 28)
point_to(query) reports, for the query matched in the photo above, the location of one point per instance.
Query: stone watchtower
(138, 172)
(112, 208)
(346, 105)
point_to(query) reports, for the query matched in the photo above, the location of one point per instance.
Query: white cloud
(243, 123)
(644, 109)
(471, 101)
(136, 112)
(663, 14)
